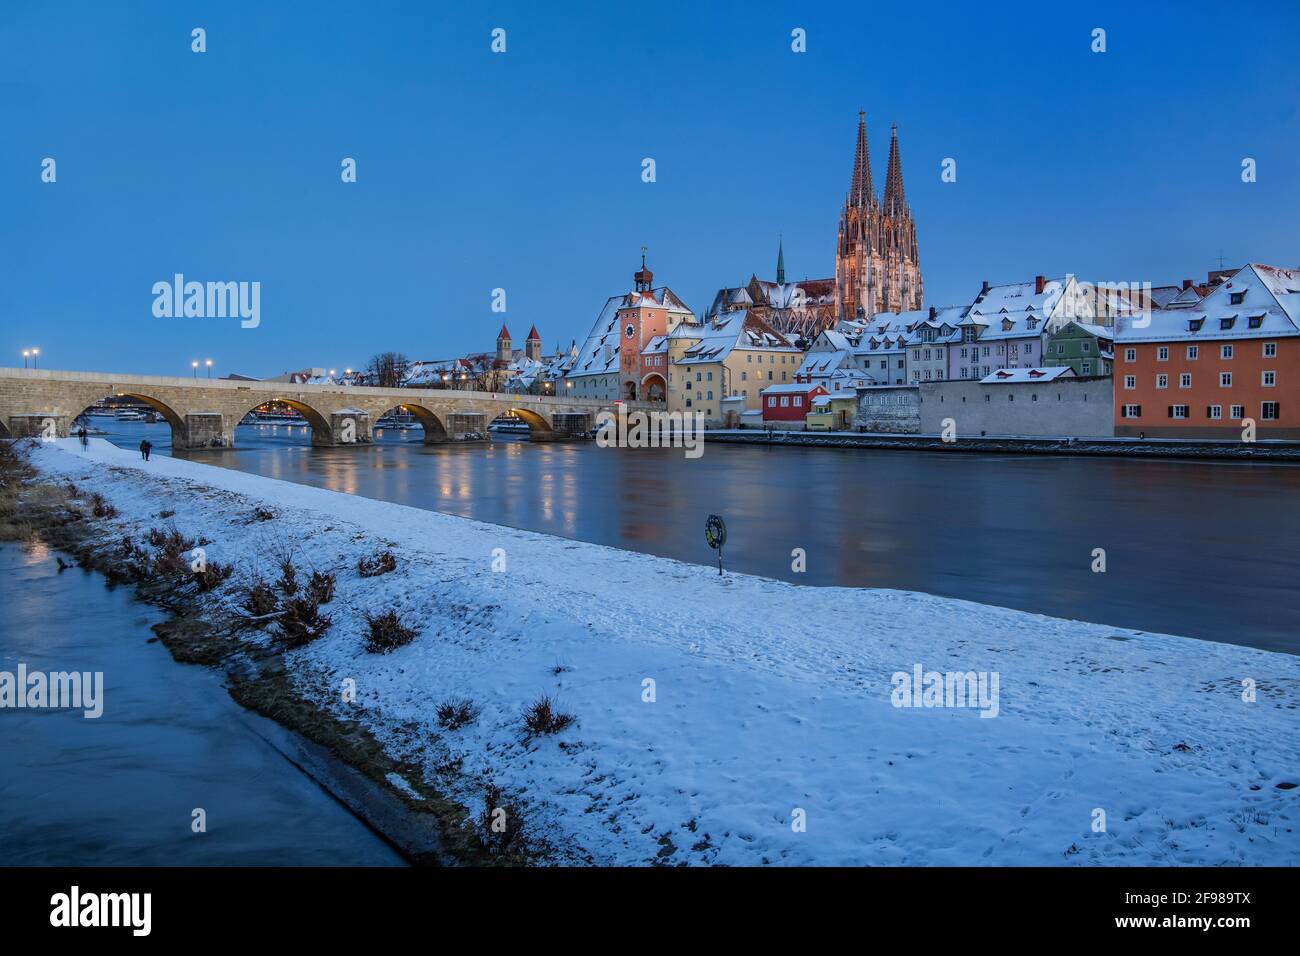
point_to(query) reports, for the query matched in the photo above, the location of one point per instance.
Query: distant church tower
(877, 268)
(505, 349)
(533, 345)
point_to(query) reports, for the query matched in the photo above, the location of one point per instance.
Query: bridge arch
(434, 429)
(654, 388)
(4, 431)
(538, 426)
(321, 433)
(169, 414)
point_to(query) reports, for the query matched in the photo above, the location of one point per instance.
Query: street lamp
(26, 354)
(35, 352)
(208, 363)
(195, 366)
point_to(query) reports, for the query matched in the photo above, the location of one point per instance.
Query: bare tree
(387, 369)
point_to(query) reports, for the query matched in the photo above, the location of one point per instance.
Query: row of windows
(771, 359)
(1268, 411)
(786, 401)
(1267, 379)
(1267, 349)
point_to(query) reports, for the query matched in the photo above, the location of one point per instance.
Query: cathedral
(876, 264)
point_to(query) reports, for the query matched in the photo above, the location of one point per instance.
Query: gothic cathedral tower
(877, 268)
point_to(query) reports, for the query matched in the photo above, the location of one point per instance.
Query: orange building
(1206, 370)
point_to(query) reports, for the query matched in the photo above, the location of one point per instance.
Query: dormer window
(1194, 325)
(1032, 322)
(1255, 321)
(1236, 298)
(1228, 323)
(1006, 325)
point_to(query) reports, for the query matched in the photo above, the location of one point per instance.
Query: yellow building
(833, 413)
(733, 354)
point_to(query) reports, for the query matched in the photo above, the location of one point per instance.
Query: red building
(790, 402)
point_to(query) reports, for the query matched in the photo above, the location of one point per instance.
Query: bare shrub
(457, 713)
(301, 623)
(320, 587)
(387, 632)
(501, 825)
(263, 514)
(261, 600)
(288, 577)
(544, 716)
(212, 576)
(100, 507)
(381, 563)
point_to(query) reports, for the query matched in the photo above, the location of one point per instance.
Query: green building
(1088, 349)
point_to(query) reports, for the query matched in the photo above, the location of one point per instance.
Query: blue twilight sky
(523, 170)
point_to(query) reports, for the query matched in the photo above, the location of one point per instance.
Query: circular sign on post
(715, 532)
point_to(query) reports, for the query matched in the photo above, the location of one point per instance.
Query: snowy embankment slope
(770, 698)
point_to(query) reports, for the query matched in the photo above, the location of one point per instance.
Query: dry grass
(381, 563)
(544, 716)
(387, 632)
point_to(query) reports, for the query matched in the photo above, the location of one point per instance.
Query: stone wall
(889, 410)
(1079, 408)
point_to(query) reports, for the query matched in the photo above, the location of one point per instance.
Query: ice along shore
(735, 720)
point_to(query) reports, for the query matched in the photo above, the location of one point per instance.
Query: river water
(121, 789)
(1202, 549)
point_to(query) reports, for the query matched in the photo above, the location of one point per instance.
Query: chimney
(985, 290)
(934, 312)
(1187, 284)
(1039, 282)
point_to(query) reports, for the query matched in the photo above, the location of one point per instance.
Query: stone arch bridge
(203, 412)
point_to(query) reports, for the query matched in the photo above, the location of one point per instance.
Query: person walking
(85, 442)
(148, 447)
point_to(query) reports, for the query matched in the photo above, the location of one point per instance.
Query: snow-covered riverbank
(772, 704)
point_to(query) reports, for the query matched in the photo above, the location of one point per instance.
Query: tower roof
(780, 262)
(533, 336)
(894, 202)
(504, 333)
(860, 192)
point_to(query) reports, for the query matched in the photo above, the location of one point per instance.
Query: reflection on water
(120, 789)
(1202, 549)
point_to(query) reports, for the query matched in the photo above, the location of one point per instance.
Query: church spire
(780, 262)
(894, 204)
(860, 193)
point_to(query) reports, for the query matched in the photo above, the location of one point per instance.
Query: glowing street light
(195, 366)
(208, 363)
(26, 354)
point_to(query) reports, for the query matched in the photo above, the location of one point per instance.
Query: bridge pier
(461, 426)
(567, 426)
(204, 430)
(47, 425)
(348, 426)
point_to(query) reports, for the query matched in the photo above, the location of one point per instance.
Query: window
(710, 396)
(798, 401)
(1237, 412)
(1029, 348)
(1255, 321)
(1185, 380)
(1130, 355)
(1162, 381)
(1131, 411)
(1268, 379)
(1225, 380)
(1214, 411)
(1268, 411)
(1225, 351)
(1228, 322)
(1270, 350)
(1162, 353)
(744, 376)
(785, 401)
(1236, 298)
(1087, 368)
(1060, 348)
(986, 350)
(1086, 346)
(710, 376)
(699, 377)
(1193, 352)
(1177, 411)
(1130, 382)
(963, 352)
(771, 401)
(963, 371)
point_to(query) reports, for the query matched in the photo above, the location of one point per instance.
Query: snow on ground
(770, 698)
